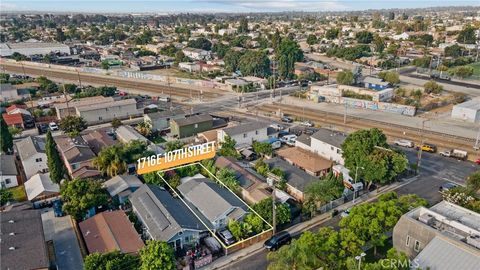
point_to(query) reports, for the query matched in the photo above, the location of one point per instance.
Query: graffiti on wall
(374, 105)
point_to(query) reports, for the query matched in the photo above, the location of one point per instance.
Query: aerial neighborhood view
(242, 135)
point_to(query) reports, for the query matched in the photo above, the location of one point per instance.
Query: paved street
(60, 230)
(436, 170)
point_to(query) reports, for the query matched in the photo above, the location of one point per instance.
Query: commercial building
(23, 243)
(110, 231)
(30, 48)
(10, 92)
(33, 156)
(191, 125)
(332, 92)
(445, 236)
(376, 84)
(106, 112)
(69, 108)
(468, 111)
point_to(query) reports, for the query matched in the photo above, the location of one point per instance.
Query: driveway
(67, 249)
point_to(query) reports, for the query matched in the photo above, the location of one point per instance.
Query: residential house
(18, 109)
(310, 162)
(23, 243)
(8, 172)
(217, 204)
(444, 236)
(106, 112)
(33, 156)
(126, 134)
(326, 143)
(297, 179)
(13, 120)
(375, 83)
(191, 125)
(236, 84)
(99, 139)
(165, 218)
(197, 54)
(121, 186)
(246, 134)
(40, 187)
(110, 231)
(77, 156)
(253, 186)
(9, 92)
(161, 120)
(69, 108)
(302, 70)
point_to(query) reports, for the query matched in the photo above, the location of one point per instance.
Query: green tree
(390, 76)
(463, 71)
(157, 255)
(432, 87)
(243, 27)
(152, 178)
(116, 123)
(264, 209)
(144, 128)
(255, 63)
(364, 37)
(454, 51)
(232, 60)
(5, 136)
(262, 148)
(72, 124)
(5, 196)
(227, 148)
(312, 39)
(473, 181)
(287, 54)
(255, 222)
(173, 145)
(110, 160)
(379, 43)
(105, 65)
(332, 33)
(54, 161)
(79, 195)
(4, 77)
(467, 35)
(110, 261)
(323, 191)
(345, 78)
(228, 178)
(200, 43)
(368, 149)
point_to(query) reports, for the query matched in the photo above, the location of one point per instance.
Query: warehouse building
(30, 48)
(468, 111)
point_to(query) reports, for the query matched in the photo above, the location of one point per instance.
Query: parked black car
(42, 128)
(278, 240)
(226, 237)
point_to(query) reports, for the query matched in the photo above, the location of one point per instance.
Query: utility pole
(477, 141)
(419, 158)
(274, 210)
(273, 67)
(170, 92)
(345, 114)
(79, 81)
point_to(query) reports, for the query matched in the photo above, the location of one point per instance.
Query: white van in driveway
(289, 137)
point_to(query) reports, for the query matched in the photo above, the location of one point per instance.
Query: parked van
(288, 138)
(278, 240)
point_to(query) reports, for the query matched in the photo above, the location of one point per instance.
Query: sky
(211, 6)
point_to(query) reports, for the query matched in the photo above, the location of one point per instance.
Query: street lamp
(359, 259)
(356, 175)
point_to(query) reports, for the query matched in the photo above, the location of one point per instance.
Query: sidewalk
(306, 225)
(447, 126)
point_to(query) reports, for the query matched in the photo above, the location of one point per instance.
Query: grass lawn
(18, 193)
(158, 139)
(476, 68)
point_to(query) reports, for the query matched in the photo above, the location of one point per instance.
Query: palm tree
(145, 128)
(110, 161)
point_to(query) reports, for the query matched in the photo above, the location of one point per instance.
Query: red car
(477, 161)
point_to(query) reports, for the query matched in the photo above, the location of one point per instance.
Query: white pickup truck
(404, 143)
(455, 153)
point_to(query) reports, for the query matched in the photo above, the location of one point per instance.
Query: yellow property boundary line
(191, 210)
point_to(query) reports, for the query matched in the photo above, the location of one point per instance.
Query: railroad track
(119, 82)
(393, 131)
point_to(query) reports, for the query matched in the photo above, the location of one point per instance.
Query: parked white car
(53, 126)
(276, 126)
(404, 143)
(307, 123)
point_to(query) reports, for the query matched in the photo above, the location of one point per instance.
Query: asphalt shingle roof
(243, 128)
(331, 137)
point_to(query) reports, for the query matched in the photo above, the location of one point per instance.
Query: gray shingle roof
(374, 80)
(193, 119)
(30, 146)
(243, 128)
(209, 198)
(8, 165)
(40, 184)
(305, 139)
(331, 137)
(120, 183)
(28, 240)
(295, 177)
(162, 214)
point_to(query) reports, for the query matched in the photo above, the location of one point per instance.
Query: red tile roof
(16, 106)
(109, 231)
(13, 119)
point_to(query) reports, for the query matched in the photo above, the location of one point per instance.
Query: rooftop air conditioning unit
(427, 219)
